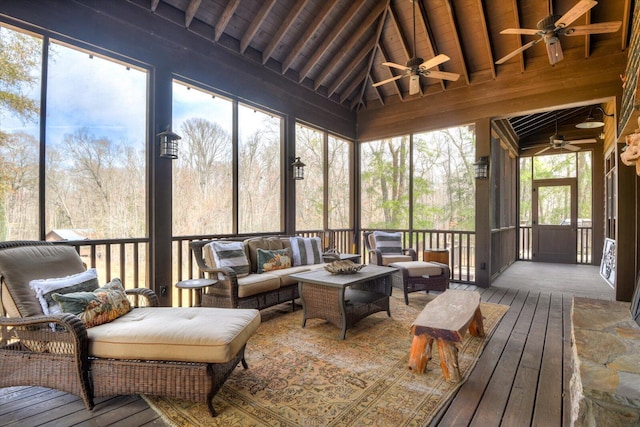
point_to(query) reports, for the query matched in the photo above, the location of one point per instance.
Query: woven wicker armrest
(142, 297)
(61, 333)
(375, 257)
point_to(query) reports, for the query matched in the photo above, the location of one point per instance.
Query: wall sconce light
(482, 168)
(169, 144)
(298, 169)
(590, 122)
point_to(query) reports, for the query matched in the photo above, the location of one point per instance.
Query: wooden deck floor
(521, 378)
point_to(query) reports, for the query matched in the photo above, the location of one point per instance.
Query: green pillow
(103, 305)
(269, 260)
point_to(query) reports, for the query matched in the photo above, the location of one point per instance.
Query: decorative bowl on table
(343, 267)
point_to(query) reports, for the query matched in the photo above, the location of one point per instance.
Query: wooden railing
(584, 245)
(127, 258)
(460, 244)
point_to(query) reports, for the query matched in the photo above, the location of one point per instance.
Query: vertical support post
(483, 207)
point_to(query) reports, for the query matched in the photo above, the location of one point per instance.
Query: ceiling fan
(553, 26)
(557, 141)
(417, 67)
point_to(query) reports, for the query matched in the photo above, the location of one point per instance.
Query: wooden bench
(445, 319)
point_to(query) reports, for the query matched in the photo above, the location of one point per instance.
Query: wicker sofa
(184, 353)
(256, 290)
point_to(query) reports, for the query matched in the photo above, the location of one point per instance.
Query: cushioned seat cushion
(254, 284)
(419, 268)
(209, 335)
(396, 258)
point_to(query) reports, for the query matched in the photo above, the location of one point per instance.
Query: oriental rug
(309, 377)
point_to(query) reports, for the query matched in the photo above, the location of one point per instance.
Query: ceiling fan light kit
(553, 26)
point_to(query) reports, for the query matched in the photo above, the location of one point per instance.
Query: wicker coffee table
(344, 299)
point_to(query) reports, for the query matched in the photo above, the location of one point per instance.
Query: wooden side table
(437, 255)
(196, 285)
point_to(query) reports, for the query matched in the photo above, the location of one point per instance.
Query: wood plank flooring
(521, 378)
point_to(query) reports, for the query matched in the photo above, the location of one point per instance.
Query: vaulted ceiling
(336, 47)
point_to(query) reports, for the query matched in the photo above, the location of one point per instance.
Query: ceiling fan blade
(437, 60)
(574, 13)
(442, 75)
(601, 28)
(387, 80)
(394, 65)
(533, 146)
(414, 84)
(571, 147)
(525, 31)
(542, 151)
(554, 51)
(583, 141)
(517, 51)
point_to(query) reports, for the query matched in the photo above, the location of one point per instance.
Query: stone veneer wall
(605, 385)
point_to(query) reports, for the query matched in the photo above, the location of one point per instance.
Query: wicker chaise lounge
(184, 353)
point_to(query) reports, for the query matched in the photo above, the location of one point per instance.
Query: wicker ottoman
(413, 276)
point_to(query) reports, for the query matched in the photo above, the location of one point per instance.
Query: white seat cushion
(396, 258)
(255, 284)
(199, 334)
(419, 268)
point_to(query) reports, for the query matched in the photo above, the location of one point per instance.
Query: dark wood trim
(483, 207)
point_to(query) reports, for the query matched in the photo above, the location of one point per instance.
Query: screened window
(310, 190)
(203, 172)
(21, 58)
(384, 169)
(259, 170)
(96, 145)
(443, 179)
(339, 209)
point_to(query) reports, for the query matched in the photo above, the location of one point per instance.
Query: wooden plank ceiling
(336, 47)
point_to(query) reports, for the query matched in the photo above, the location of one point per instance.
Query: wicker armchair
(381, 257)
(57, 351)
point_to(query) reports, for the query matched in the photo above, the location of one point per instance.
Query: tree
(19, 70)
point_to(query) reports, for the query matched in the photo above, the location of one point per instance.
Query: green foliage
(19, 69)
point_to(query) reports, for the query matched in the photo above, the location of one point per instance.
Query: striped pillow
(388, 243)
(306, 250)
(231, 254)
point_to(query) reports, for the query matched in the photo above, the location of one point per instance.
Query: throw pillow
(306, 250)
(45, 288)
(231, 254)
(273, 260)
(103, 305)
(388, 243)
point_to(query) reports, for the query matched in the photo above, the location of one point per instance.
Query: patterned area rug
(309, 377)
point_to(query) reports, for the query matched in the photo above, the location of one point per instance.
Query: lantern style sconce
(298, 169)
(482, 168)
(169, 144)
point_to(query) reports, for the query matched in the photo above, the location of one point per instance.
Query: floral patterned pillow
(103, 305)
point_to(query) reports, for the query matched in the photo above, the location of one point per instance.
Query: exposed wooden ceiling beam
(190, 13)
(154, 5)
(424, 23)
(255, 24)
(286, 24)
(347, 17)
(353, 64)
(487, 41)
(376, 89)
(385, 58)
(587, 37)
(456, 37)
(225, 18)
(355, 38)
(401, 37)
(311, 29)
(354, 84)
(516, 16)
